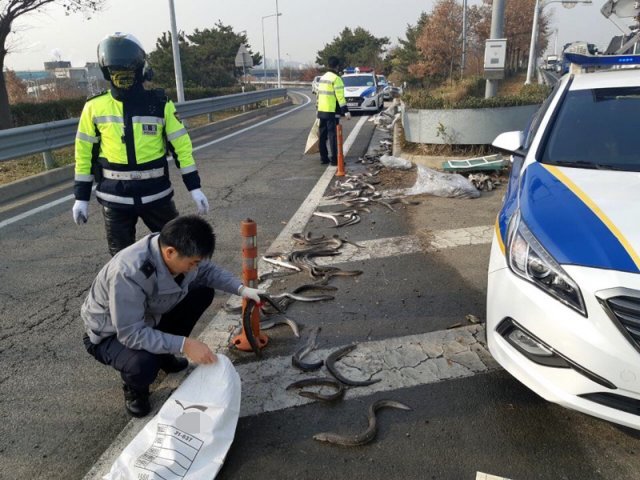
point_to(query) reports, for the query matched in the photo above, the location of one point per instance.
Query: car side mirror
(510, 142)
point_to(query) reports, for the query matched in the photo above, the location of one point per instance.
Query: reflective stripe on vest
(133, 174)
(129, 200)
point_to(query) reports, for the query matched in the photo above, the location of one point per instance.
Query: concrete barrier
(478, 126)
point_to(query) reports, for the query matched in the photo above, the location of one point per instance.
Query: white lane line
(300, 219)
(399, 362)
(372, 249)
(226, 137)
(487, 476)
(409, 244)
(33, 211)
(49, 205)
(460, 237)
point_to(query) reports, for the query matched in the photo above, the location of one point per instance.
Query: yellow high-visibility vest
(330, 93)
(125, 150)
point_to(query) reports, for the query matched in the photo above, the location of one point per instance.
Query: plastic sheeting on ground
(191, 434)
(433, 182)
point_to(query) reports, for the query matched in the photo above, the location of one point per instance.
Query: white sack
(390, 161)
(441, 184)
(191, 434)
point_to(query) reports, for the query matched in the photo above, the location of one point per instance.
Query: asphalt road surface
(424, 270)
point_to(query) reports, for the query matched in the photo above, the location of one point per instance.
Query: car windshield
(596, 129)
(358, 81)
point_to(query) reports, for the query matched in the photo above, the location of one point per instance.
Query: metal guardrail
(548, 78)
(45, 137)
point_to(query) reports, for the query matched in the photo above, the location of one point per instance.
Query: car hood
(358, 91)
(582, 216)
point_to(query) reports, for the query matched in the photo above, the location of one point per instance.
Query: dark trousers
(120, 223)
(139, 368)
(327, 132)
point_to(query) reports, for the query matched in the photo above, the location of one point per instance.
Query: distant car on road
(314, 85)
(563, 294)
(386, 88)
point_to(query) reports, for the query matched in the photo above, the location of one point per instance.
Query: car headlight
(528, 259)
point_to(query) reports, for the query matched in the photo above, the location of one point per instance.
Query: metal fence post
(49, 162)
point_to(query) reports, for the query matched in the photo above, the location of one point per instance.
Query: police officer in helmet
(123, 137)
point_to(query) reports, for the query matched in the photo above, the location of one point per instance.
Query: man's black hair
(190, 235)
(333, 62)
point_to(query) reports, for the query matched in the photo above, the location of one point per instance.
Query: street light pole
(264, 52)
(532, 45)
(176, 53)
(278, 38)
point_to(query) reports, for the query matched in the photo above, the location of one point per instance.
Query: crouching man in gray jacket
(144, 303)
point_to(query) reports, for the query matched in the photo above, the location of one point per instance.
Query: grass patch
(469, 93)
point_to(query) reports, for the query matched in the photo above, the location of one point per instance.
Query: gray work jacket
(133, 290)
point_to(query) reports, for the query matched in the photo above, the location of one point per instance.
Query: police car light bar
(588, 60)
(358, 70)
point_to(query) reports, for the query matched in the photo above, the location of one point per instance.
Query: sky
(305, 26)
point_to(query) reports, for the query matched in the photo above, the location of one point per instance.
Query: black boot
(172, 364)
(136, 400)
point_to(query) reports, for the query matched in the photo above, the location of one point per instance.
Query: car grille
(626, 311)
(357, 100)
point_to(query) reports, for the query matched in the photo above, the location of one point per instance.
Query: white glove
(347, 115)
(80, 211)
(251, 293)
(202, 204)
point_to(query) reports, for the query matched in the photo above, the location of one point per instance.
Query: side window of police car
(529, 134)
(536, 119)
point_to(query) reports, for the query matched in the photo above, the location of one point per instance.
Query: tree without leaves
(355, 48)
(10, 10)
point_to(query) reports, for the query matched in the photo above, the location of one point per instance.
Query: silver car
(314, 85)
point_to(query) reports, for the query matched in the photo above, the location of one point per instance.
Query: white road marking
(49, 205)
(300, 219)
(399, 362)
(268, 120)
(459, 237)
(33, 211)
(487, 476)
(406, 245)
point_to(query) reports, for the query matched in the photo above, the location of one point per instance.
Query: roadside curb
(39, 181)
(35, 183)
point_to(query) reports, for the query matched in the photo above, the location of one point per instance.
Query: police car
(563, 299)
(361, 90)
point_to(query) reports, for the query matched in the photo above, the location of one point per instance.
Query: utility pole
(176, 53)
(497, 31)
(278, 37)
(532, 47)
